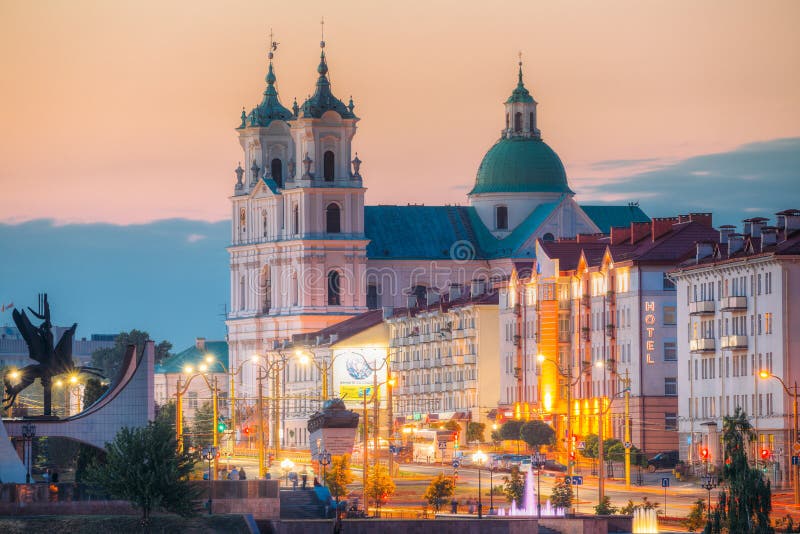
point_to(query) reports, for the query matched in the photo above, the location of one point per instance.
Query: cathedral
(306, 253)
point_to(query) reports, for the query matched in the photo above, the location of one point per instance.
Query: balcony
(611, 331)
(701, 345)
(701, 307)
(733, 342)
(425, 338)
(586, 334)
(563, 336)
(733, 303)
(611, 298)
(470, 358)
(586, 300)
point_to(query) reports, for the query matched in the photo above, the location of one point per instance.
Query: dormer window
(501, 218)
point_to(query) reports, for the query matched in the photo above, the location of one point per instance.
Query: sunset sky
(125, 111)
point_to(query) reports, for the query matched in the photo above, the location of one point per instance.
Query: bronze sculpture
(53, 360)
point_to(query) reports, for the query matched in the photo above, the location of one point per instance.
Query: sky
(118, 141)
(124, 111)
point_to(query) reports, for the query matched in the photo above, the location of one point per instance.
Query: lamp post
(211, 360)
(180, 391)
(479, 458)
(796, 438)
(209, 454)
(709, 483)
(28, 433)
(537, 462)
(491, 489)
(287, 465)
(272, 370)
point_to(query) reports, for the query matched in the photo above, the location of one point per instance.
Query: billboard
(353, 375)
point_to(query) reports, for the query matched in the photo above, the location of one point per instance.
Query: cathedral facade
(306, 253)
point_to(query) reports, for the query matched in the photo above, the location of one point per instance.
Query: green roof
(607, 216)
(269, 109)
(323, 100)
(194, 357)
(521, 165)
(520, 93)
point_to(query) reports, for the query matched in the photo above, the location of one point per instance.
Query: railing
(470, 358)
(733, 342)
(701, 307)
(701, 345)
(734, 303)
(586, 300)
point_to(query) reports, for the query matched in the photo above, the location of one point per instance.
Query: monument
(332, 429)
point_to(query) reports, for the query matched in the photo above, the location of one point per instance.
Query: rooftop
(195, 355)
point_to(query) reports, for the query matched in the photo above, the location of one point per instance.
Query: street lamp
(272, 370)
(709, 483)
(479, 458)
(180, 391)
(28, 433)
(491, 488)
(287, 465)
(209, 454)
(210, 359)
(795, 467)
(537, 462)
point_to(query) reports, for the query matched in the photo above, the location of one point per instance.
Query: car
(552, 465)
(663, 460)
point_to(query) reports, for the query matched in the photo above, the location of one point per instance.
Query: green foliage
(696, 517)
(562, 494)
(380, 485)
(514, 486)
(605, 507)
(511, 429)
(203, 425)
(110, 360)
(452, 425)
(143, 467)
(440, 489)
(338, 475)
(496, 435)
(748, 500)
(475, 432)
(87, 454)
(537, 433)
(591, 449)
(646, 504)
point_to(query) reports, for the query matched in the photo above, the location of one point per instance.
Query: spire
(323, 99)
(270, 107)
(520, 93)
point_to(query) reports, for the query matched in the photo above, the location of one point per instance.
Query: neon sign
(650, 321)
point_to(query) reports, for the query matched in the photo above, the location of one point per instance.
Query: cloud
(194, 238)
(609, 164)
(755, 178)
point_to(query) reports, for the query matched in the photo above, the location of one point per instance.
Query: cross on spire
(322, 32)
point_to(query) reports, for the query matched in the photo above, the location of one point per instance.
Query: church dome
(521, 165)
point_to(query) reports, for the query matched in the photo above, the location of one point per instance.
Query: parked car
(663, 460)
(552, 465)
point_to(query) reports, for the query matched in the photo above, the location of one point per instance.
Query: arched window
(266, 288)
(334, 289)
(507, 123)
(501, 218)
(530, 121)
(263, 223)
(242, 294)
(373, 300)
(328, 166)
(333, 219)
(548, 237)
(295, 290)
(518, 122)
(277, 171)
(295, 219)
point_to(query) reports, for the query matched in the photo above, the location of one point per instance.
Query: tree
(475, 432)
(86, 453)
(452, 425)
(514, 486)
(511, 429)
(109, 360)
(203, 425)
(537, 433)
(591, 449)
(747, 503)
(696, 516)
(143, 466)
(562, 495)
(440, 489)
(338, 476)
(380, 485)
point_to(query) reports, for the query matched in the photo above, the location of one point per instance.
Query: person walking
(234, 474)
(305, 478)
(242, 475)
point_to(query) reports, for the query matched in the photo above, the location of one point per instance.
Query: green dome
(521, 165)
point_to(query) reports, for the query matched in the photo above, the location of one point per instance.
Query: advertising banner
(353, 375)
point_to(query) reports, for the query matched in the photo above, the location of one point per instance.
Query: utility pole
(276, 442)
(179, 414)
(214, 433)
(627, 382)
(260, 380)
(366, 454)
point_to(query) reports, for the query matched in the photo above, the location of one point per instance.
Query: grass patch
(118, 524)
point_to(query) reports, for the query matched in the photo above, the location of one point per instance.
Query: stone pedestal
(336, 441)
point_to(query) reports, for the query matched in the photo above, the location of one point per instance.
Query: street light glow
(203, 368)
(303, 357)
(59, 383)
(14, 374)
(255, 358)
(188, 369)
(599, 364)
(479, 457)
(540, 357)
(73, 379)
(763, 374)
(209, 358)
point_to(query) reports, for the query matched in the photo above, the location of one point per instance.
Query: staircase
(301, 504)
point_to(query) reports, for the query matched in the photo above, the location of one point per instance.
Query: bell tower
(521, 112)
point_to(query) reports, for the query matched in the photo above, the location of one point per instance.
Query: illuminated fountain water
(529, 503)
(645, 521)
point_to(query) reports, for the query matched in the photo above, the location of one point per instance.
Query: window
(328, 166)
(241, 293)
(670, 316)
(668, 285)
(420, 293)
(501, 218)
(530, 121)
(548, 237)
(334, 289)
(333, 220)
(670, 386)
(670, 421)
(373, 300)
(192, 400)
(767, 323)
(670, 351)
(518, 122)
(263, 223)
(295, 220)
(507, 125)
(277, 171)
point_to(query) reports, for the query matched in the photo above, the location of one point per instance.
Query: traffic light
(221, 425)
(571, 456)
(765, 454)
(246, 430)
(704, 453)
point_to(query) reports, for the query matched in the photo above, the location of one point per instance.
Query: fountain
(529, 503)
(645, 521)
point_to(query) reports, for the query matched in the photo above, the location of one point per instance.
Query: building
(444, 357)
(590, 315)
(213, 355)
(306, 253)
(736, 318)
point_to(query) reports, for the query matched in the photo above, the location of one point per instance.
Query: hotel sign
(650, 322)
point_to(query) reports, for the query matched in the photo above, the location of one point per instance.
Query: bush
(696, 518)
(605, 507)
(562, 495)
(439, 490)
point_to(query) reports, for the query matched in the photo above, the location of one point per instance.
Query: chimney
(454, 292)
(735, 243)
(388, 312)
(724, 231)
(591, 238)
(747, 227)
(757, 225)
(791, 221)
(200, 344)
(702, 218)
(620, 235)
(477, 287)
(411, 301)
(769, 237)
(639, 230)
(334, 338)
(704, 250)
(684, 219)
(431, 296)
(662, 226)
